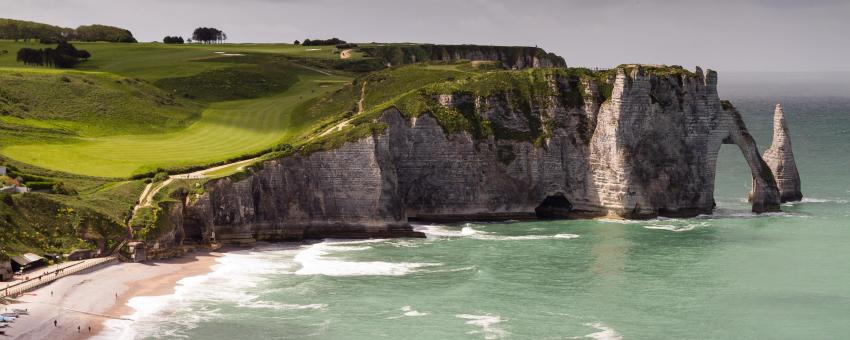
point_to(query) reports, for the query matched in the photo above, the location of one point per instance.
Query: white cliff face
(780, 159)
(654, 150)
(650, 150)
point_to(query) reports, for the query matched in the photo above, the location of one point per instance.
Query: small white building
(2, 171)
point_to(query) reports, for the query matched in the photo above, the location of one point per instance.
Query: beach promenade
(43, 276)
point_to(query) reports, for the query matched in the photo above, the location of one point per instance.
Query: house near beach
(27, 261)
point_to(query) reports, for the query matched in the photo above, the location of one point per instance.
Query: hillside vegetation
(88, 104)
(27, 30)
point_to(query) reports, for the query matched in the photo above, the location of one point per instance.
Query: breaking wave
(488, 324)
(317, 260)
(604, 333)
(229, 282)
(436, 231)
(816, 200)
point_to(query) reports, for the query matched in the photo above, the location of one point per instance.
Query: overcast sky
(726, 35)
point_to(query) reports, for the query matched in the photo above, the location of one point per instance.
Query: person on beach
(78, 329)
(54, 323)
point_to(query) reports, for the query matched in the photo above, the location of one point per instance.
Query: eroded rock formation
(649, 150)
(780, 159)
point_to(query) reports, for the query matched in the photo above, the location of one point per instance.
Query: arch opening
(554, 207)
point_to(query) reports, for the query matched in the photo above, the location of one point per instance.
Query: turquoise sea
(731, 275)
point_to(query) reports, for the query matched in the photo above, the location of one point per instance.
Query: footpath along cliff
(640, 142)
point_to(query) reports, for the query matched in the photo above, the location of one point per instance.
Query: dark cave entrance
(193, 231)
(554, 207)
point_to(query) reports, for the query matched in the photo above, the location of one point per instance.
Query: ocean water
(731, 275)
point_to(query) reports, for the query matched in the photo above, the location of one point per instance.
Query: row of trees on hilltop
(173, 40)
(320, 42)
(28, 30)
(208, 35)
(64, 55)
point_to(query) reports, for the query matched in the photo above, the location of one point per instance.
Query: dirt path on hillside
(345, 54)
(146, 198)
(362, 98)
(343, 124)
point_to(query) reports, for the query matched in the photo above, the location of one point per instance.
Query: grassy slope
(88, 104)
(225, 130)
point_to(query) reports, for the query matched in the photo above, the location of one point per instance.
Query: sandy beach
(86, 300)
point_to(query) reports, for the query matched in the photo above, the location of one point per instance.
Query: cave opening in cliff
(192, 231)
(554, 207)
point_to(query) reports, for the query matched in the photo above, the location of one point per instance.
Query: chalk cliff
(645, 146)
(780, 159)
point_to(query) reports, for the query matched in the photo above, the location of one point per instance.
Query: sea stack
(780, 159)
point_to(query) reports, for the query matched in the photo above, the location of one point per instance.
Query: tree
(64, 55)
(84, 55)
(173, 40)
(320, 42)
(103, 33)
(31, 56)
(208, 35)
(296, 42)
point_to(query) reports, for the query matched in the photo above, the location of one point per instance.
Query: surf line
(98, 314)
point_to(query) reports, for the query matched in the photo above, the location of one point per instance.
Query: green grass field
(226, 130)
(134, 108)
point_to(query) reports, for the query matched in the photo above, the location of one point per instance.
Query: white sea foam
(677, 228)
(605, 332)
(537, 237)
(435, 231)
(317, 260)
(816, 200)
(489, 325)
(409, 311)
(281, 306)
(229, 282)
(616, 220)
(452, 270)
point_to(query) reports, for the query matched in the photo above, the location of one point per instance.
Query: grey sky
(756, 35)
